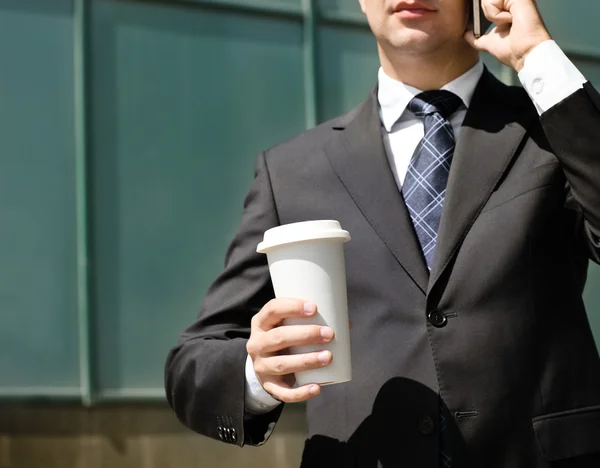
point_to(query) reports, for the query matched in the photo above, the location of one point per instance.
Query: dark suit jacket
(496, 340)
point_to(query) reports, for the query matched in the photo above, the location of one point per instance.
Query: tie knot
(442, 102)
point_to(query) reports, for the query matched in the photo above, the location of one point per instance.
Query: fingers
(268, 340)
(276, 374)
(494, 11)
(289, 364)
(475, 42)
(482, 44)
(276, 310)
(267, 337)
(281, 338)
(488, 42)
(287, 394)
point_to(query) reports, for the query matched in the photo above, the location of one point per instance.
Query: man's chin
(414, 42)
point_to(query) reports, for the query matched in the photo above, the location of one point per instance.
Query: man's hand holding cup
(270, 340)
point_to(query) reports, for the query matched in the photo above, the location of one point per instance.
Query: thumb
(478, 43)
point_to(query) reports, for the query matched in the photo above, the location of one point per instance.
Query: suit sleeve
(204, 373)
(573, 131)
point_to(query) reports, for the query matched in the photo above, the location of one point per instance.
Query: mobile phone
(480, 23)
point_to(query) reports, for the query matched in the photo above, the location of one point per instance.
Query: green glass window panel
(492, 64)
(348, 65)
(276, 3)
(590, 68)
(572, 23)
(285, 2)
(233, 3)
(38, 332)
(183, 100)
(256, 2)
(337, 7)
(294, 6)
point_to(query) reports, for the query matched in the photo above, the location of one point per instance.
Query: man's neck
(427, 72)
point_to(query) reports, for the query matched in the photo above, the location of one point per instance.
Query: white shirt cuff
(549, 76)
(257, 399)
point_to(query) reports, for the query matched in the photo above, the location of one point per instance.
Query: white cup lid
(300, 232)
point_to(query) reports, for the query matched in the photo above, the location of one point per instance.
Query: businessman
(474, 209)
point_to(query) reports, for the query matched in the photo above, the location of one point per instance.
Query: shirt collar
(394, 96)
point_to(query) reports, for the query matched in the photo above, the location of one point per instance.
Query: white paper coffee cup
(306, 261)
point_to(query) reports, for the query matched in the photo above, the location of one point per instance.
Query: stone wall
(141, 436)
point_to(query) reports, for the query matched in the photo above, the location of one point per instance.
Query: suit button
(427, 426)
(228, 434)
(233, 436)
(221, 434)
(437, 319)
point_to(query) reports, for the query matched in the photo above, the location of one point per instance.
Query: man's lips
(409, 10)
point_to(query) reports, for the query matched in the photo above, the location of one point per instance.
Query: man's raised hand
(519, 29)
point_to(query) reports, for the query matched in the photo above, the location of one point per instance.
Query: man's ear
(362, 6)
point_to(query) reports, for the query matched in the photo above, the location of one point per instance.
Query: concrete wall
(147, 436)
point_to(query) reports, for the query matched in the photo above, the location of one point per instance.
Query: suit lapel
(490, 137)
(358, 157)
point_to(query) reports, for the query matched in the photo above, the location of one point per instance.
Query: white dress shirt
(548, 76)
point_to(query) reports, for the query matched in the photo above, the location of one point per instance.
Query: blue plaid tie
(424, 188)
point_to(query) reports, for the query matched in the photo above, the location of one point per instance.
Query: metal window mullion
(81, 8)
(310, 63)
